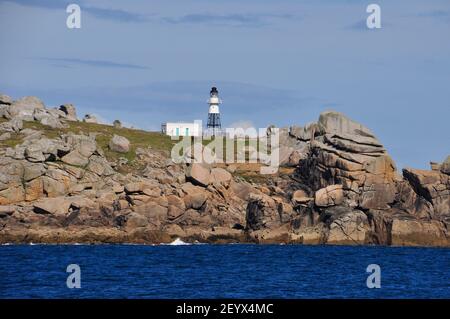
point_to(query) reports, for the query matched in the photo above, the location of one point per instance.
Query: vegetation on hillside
(137, 138)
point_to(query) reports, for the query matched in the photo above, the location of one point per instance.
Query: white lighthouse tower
(213, 125)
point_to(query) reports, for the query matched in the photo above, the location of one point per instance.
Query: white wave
(178, 242)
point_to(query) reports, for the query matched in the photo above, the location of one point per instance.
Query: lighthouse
(213, 125)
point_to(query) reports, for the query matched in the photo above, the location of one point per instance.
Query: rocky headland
(65, 180)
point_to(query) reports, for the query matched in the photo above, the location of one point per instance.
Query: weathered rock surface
(433, 186)
(119, 144)
(70, 111)
(199, 174)
(25, 107)
(89, 118)
(14, 125)
(117, 124)
(5, 99)
(445, 167)
(329, 196)
(341, 188)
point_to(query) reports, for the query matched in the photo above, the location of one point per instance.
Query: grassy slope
(137, 138)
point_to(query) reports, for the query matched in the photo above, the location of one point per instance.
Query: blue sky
(274, 62)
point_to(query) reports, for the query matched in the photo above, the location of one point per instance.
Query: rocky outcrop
(25, 107)
(349, 169)
(406, 232)
(346, 153)
(432, 186)
(89, 118)
(339, 186)
(202, 174)
(31, 108)
(445, 166)
(346, 226)
(70, 111)
(117, 124)
(5, 99)
(14, 125)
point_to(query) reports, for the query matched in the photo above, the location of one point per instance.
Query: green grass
(11, 142)
(104, 133)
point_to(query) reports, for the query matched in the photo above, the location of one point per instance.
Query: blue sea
(222, 271)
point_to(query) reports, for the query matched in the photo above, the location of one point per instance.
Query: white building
(182, 128)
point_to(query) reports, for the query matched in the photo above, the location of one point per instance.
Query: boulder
(70, 111)
(14, 125)
(195, 196)
(198, 174)
(42, 149)
(271, 235)
(445, 166)
(12, 195)
(7, 210)
(195, 201)
(33, 153)
(5, 136)
(242, 189)
(337, 123)
(11, 172)
(57, 182)
(119, 144)
(85, 145)
(52, 122)
(25, 106)
(377, 195)
(176, 201)
(329, 196)
(31, 134)
(135, 220)
(410, 232)
(75, 158)
(174, 230)
(174, 212)
(4, 111)
(435, 166)
(34, 189)
(220, 175)
(155, 213)
(117, 124)
(308, 236)
(349, 227)
(433, 186)
(58, 206)
(33, 170)
(145, 187)
(82, 148)
(89, 118)
(100, 166)
(300, 197)
(5, 99)
(261, 212)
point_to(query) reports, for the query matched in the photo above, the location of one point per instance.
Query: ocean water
(222, 271)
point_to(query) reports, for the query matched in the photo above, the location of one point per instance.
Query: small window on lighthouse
(187, 131)
(177, 131)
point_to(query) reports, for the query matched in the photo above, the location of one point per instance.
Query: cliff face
(359, 194)
(62, 180)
